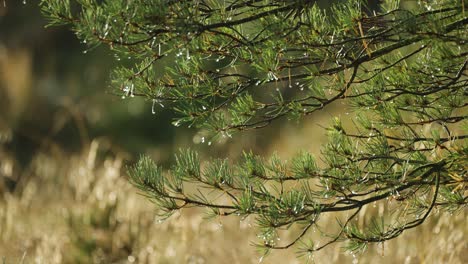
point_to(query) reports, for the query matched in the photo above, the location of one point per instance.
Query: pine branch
(230, 66)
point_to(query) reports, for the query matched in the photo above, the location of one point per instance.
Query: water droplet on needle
(152, 107)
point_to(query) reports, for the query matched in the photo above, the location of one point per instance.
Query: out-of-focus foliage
(229, 66)
(50, 89)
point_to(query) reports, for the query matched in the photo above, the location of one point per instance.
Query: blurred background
(65, 141)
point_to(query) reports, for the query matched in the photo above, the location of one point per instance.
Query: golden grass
(81, 209)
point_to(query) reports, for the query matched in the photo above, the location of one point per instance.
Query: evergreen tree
(235, 65)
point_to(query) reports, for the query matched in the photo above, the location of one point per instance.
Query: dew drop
(126, 89)
(152, 107)
(272, 76)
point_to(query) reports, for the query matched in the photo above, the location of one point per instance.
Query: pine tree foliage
(234, 65)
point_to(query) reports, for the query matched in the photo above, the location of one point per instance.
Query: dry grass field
(80, 208)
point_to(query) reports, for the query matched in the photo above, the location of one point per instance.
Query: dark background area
(52, 92)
